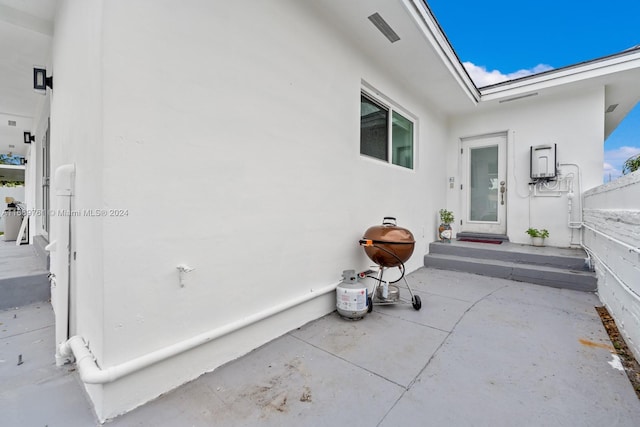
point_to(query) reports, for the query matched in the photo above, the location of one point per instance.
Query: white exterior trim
(436, 38)
(590, 70)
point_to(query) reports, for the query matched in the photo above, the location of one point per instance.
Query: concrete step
(23, 275)
(567, 258)
(39, 244)
(23, 290)
(579, 280)
(482, 236)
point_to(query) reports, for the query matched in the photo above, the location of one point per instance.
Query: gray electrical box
(543, 162)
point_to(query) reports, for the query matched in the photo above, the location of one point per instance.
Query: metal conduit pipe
(91, 373)
(586, 250)
(592, 254)
(612, 273)
(60, 250)
(580, 198)
(613, 239)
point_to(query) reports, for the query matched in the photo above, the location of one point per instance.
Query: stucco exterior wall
(573, 121)
(76, 138)
(613, 211)
(227, 133)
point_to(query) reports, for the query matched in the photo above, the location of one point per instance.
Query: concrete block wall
(612, 235)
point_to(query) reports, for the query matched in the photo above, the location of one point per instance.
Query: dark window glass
(402, 136)
(374, 129)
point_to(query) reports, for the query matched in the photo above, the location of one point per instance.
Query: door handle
(503, 189)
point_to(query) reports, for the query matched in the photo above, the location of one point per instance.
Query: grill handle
(389, 220)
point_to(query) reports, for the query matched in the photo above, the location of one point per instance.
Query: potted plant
(537, 236)
(444, 230)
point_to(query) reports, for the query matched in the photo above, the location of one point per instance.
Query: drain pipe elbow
(64, 177)
(90, 372)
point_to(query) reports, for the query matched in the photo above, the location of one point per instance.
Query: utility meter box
(543, 162)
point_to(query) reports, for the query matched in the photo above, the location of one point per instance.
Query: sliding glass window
(385, 133)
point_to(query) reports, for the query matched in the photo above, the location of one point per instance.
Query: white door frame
(495, 198)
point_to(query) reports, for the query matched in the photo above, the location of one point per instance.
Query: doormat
(471, 239)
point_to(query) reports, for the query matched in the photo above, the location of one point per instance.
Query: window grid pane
(374, 134)
(402, 141)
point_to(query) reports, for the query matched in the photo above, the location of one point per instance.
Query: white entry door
(484, 184)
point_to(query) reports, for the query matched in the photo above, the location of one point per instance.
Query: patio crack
(26, 332)
(410, 385)
(403, 387)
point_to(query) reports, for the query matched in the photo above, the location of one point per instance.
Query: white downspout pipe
(91, 373)
(576, 224)
(60, 247)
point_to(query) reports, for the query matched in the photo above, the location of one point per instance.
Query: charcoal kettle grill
(389, 246)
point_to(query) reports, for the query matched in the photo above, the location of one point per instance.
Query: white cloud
(481, 77)
(619, 155)
(614, 159)
(610, 172)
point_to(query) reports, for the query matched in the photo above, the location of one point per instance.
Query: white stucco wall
(614, 211)
(229, 134)
(573, 121)
(76, 138)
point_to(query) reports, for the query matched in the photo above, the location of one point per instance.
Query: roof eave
(622, 61)
(432, 30)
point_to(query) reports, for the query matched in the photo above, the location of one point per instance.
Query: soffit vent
(611, 108)
(384, 28)
(12, 123)
(518, 97)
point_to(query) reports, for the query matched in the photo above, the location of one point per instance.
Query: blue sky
(499, 40)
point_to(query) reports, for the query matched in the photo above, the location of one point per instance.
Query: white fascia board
(575, 73)
(24, 20)
(22, 121)
(434, 35)
(14, 167)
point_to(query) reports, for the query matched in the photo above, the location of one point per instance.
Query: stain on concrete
(273, 394)
(592, 344)
(306, 395)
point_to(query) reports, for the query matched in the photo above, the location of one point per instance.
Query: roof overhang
(423, 59)
(618, 74)
(26, 30)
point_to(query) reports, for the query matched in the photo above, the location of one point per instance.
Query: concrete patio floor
(23, 275)
(481, 352)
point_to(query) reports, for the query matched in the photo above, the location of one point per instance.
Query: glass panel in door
(483, 182)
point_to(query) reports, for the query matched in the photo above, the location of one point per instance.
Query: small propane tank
(385, 290)
(352, 298)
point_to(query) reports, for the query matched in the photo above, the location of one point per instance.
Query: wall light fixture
(28, 138)
(40, 79)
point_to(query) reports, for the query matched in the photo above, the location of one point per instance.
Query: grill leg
(377, 282)
(408, 287)
(415, 299)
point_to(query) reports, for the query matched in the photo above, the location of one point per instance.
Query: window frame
(391, 108)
